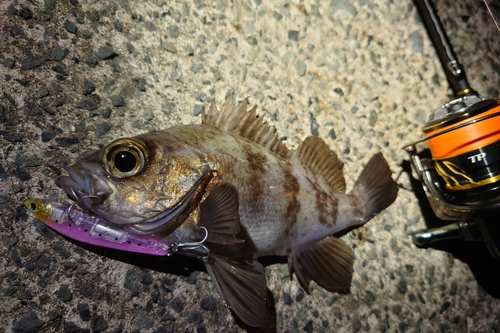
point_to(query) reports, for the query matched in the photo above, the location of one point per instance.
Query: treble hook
(90, 196)
(192, 245)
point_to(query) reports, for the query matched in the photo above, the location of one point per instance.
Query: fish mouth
(85, 188)
(90, 190)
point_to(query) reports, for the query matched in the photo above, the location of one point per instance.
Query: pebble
(167, 317)
(22, 174)
(173, 30)
(293, 35)
(67, 141)
(88, 87)
(132, 281)
(313, 124)
(429, 273)
(83, 311)
(70, 27)
(106, 113)
(176, 304)
(146, 279)
(195, 68)
(416, 42)
(98, 324)
(60, 70)
(42, 92)
(71, 327)
(49, 4)
(105, 53)
(150, 26)
(118, 26)
(86, 33)
(102, 129)
(26, 13)
(287, 299)
(90, 60)
(57, 53)
(9, 63)
(142, 321)
(11, 10)
(12, 137)
(208, 303)
(28, 323)
(402, 286)
(300, 68)
(117, 101)
(155, 296)
(30, 265)
(64, 293)
(47, 136)
(195, 318)
(30, 63)
(343, 5)
(197, 109)
(309, 326)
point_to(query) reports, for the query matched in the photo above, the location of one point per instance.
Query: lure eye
(125, 157)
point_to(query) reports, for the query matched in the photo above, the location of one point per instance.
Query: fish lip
(81, 184)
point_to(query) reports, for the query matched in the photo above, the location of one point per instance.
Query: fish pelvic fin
(316, 158)
(328, 262)
(246, 123)
(242, 285)
(219, 215)
(375, 188)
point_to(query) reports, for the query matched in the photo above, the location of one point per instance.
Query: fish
(228, 191)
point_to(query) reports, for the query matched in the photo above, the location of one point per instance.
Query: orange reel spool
(466, 147)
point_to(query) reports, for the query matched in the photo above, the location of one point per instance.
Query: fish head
(139, 181)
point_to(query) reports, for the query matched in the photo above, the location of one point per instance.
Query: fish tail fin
(375, 188)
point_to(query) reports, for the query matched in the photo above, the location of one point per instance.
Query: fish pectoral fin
(242, 285)
(219, 215)
(327, 262)
(318, 160)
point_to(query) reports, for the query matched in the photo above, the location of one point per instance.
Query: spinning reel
(461, 177)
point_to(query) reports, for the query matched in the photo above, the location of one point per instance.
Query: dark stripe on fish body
(256, 162)
(291, 187)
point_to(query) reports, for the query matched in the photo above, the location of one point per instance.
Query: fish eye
(125, 157)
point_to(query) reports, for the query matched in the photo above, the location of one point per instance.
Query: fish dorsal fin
(219, 215)
(315, 156)
(246, 123)
(327, 262)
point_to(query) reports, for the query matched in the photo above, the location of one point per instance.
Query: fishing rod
(461, 177)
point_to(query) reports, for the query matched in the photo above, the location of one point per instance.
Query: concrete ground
(362, 74)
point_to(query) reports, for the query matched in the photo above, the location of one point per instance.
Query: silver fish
(229, 191)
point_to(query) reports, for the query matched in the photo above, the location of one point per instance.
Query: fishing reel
(461, 177)
(460, 170)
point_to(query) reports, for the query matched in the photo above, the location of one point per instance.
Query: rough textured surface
(362, 74)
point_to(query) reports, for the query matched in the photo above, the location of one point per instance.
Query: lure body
(71, 221)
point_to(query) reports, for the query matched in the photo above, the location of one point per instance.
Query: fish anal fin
(316, 158)
(328, 262)
(219, 215)
(246, 123)
(242, 285)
